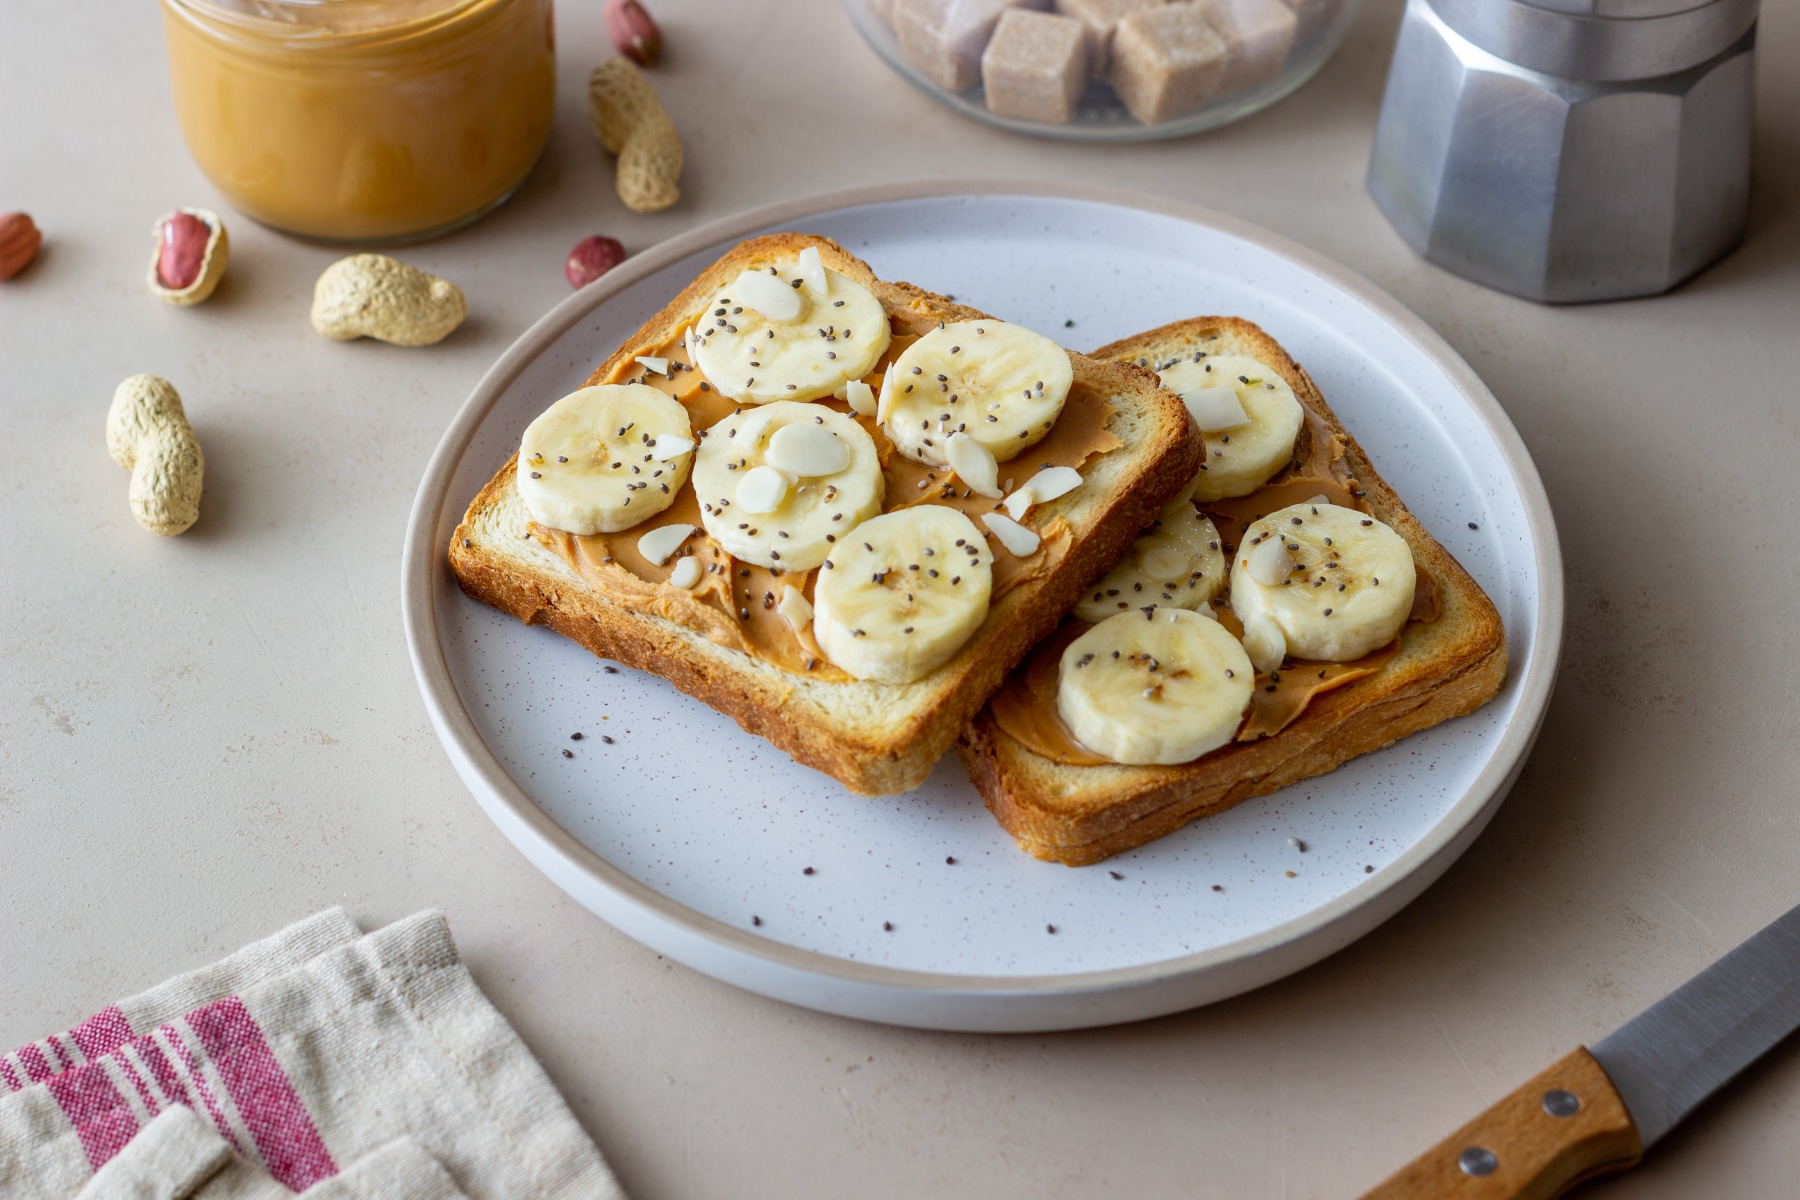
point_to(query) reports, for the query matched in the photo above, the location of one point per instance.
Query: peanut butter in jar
(363, 120)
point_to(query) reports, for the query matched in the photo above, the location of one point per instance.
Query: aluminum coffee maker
(1569, 150)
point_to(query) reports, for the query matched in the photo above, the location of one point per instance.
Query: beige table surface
(205, 738)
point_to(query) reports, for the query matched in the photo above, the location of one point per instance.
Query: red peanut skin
(633, 33)
(184, 239)
(591, 258)
(19, 242)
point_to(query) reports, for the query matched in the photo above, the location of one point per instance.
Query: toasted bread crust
(876, 739)
(1079, 815)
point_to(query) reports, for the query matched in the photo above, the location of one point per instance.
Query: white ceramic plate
(684, 830)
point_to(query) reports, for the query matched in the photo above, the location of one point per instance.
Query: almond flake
(812, 271)
(974, 464)
(657, 545)
(1017, 539)
(670, 445)
(807, 451)
(1020, 502)
(768, 296)
(1215, 409)
(794, 608)
(762, 490)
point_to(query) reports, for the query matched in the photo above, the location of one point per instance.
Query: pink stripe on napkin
(37, 1067)
(123, 1062)
(102, 1119)
(315, 1047)
(161, 1070)
(94, 1038)
(101, 1033)
(191, 1069)
(285, 1136)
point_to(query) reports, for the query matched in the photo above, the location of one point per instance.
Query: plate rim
(517, 815)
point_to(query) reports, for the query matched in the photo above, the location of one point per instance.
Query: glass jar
(1104, 70)
(363, 120)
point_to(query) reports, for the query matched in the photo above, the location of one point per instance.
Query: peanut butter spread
(1025, 706)
(735, 602)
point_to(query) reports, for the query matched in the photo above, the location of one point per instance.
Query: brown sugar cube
(1258, 35)
(1166, 61)
(1035, 66)
(944, 38)
(1102, 17)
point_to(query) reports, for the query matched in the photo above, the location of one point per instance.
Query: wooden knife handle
(1566, 1125)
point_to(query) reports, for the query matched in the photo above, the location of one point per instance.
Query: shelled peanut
(591, 258)
(190, 256)
(633, 33)
(19, 242)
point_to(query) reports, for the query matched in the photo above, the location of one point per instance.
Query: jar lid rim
(310, 20)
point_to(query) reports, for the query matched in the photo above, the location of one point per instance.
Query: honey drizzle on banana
(734, 605)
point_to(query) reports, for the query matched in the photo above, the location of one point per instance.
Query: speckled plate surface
(711, 846)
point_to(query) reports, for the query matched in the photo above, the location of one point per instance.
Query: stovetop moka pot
(1569, 150)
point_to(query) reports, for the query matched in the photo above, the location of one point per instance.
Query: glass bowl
(1065, 68)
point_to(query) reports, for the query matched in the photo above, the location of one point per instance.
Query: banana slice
(1000, 384)
(1160, 687)
(780, 483)
(1323, 582)
(604, 458)
(1176, 562)
(901, 595)
(1246, 444)
(797, 331)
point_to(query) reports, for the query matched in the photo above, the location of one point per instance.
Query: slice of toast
(1443, 668)
(875, 738)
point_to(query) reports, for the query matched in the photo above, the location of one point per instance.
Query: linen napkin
(179, 1156)
(371, 1065)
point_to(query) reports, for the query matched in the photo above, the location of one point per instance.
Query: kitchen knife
(1599, 1109)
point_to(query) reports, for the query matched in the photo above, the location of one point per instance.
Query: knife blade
(1597, 1110)
(1683, 1048)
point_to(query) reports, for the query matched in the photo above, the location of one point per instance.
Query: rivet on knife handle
(1566, 1125)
